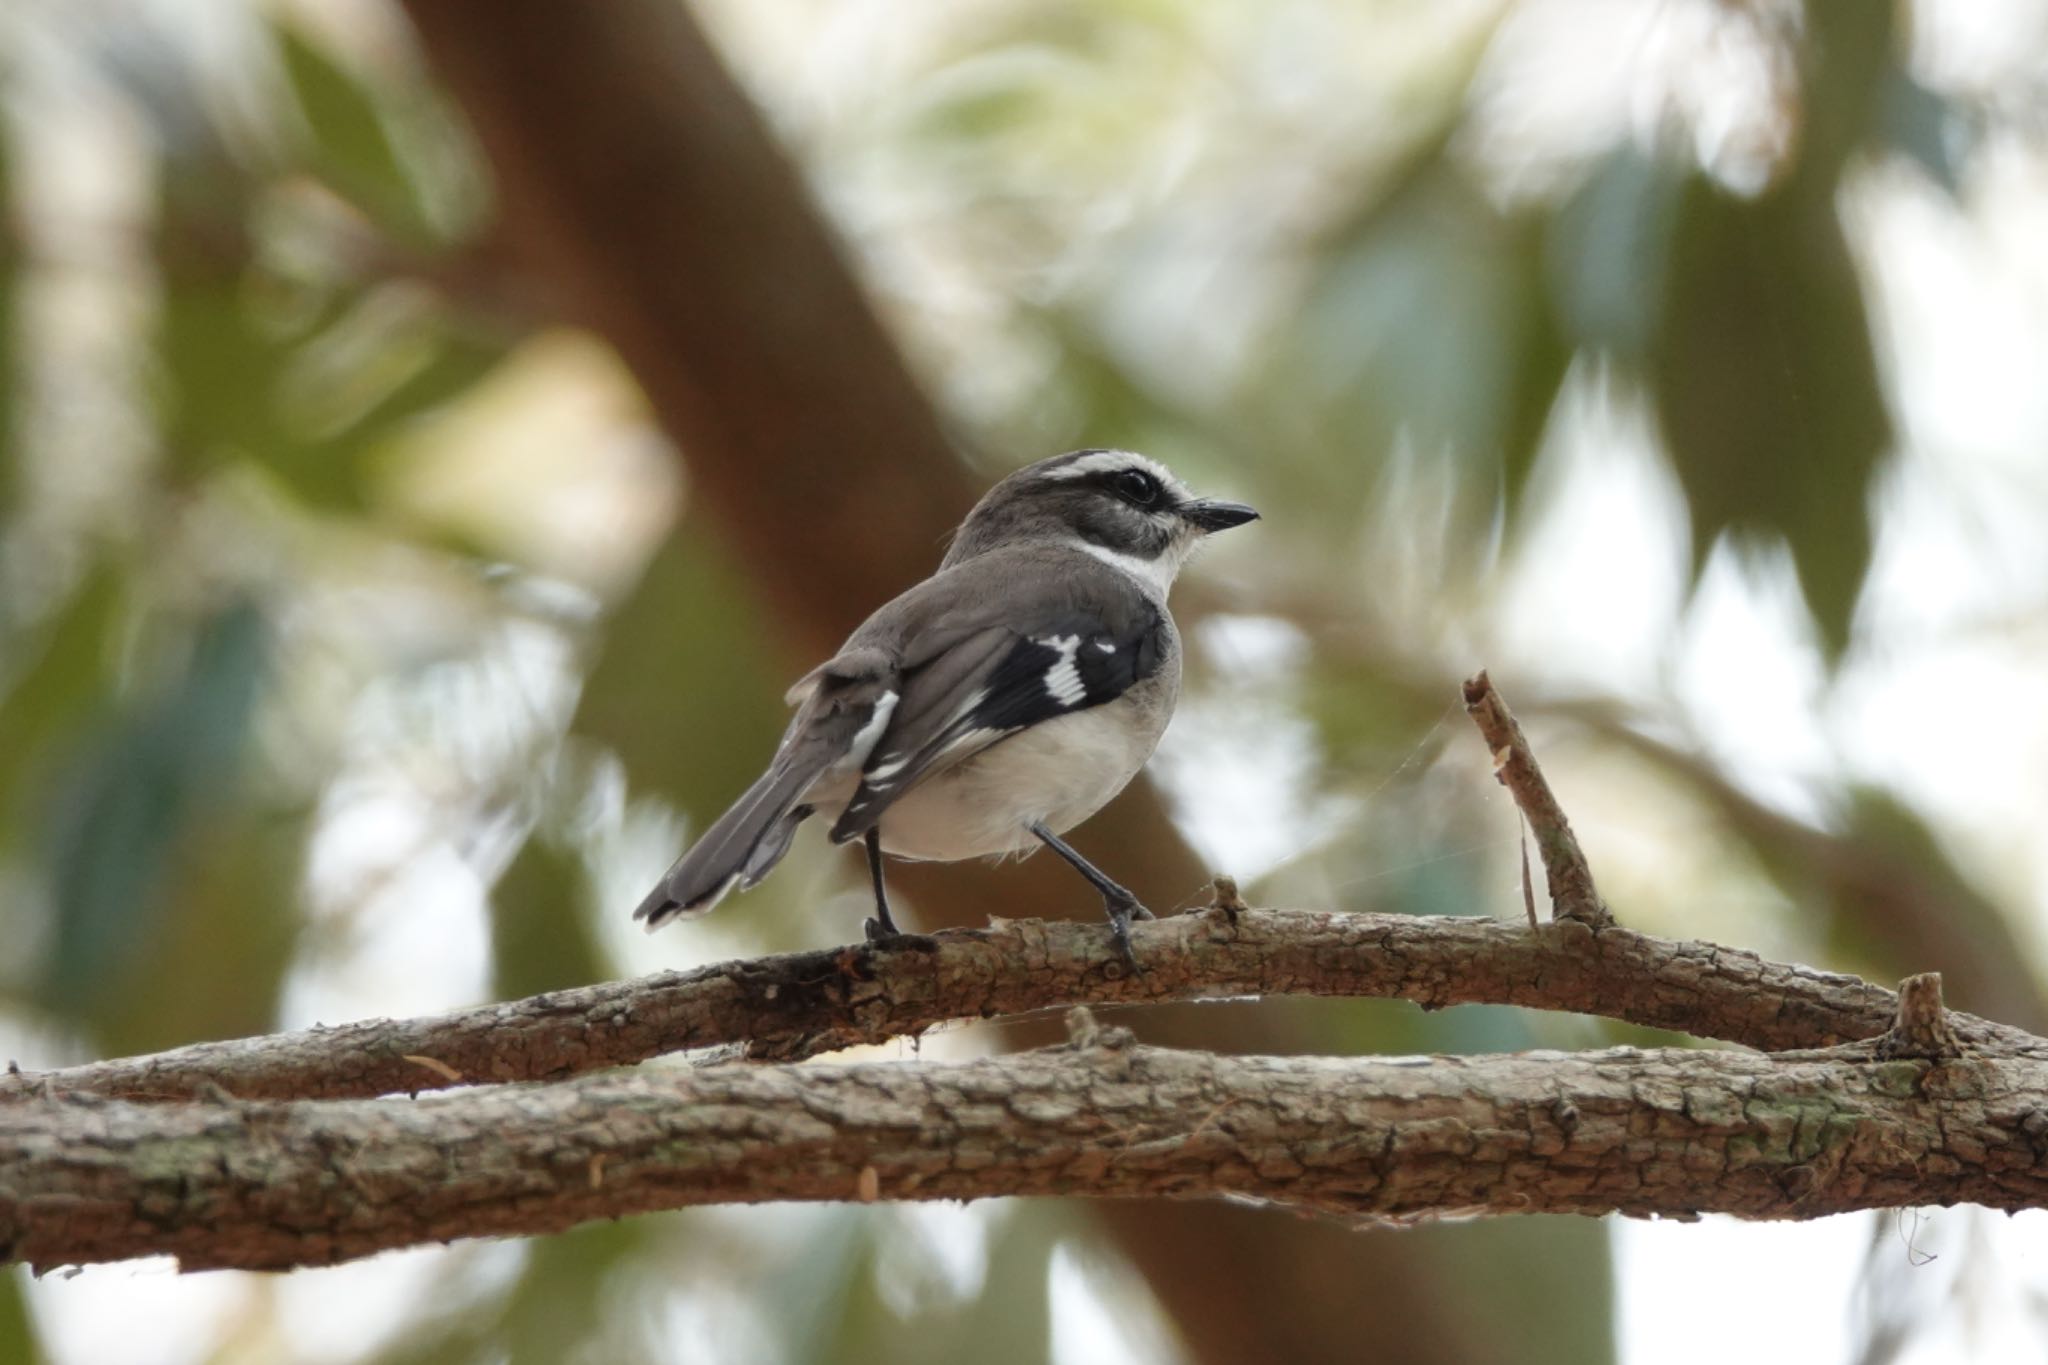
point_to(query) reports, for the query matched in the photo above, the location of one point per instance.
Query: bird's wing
(998, 680)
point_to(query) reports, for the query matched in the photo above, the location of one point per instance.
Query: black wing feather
(1074, 662)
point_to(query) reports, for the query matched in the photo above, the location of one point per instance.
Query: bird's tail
(738, 850)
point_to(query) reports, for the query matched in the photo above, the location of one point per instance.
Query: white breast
(1061, 772)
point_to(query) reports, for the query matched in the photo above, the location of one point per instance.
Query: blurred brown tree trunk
(634, 172)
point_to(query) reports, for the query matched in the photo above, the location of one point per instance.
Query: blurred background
(435, 434)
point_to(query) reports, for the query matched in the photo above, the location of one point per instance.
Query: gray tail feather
(773, 844)
(739, 848)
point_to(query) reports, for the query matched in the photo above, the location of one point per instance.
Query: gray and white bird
(992, 707)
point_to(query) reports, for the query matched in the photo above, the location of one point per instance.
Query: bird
(991, 708)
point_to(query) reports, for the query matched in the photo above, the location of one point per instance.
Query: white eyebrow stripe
(1108, 461)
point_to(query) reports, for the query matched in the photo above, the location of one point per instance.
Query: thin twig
(1528, 883)
(1572, 895)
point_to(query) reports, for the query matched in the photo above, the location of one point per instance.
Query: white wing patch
(1063, 679)
(863, 742)
(882, 773)
(1107, 647)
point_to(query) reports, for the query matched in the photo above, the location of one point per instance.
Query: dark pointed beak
(1209, 515)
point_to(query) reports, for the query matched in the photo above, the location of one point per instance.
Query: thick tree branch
(801, 1004)
(1926, 1108)
(1669, 1132)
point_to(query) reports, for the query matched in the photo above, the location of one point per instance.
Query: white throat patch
(1155, 576)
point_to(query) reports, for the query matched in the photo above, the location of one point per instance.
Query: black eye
(1136, 487)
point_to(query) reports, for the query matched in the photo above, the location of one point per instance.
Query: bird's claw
(1120, 917)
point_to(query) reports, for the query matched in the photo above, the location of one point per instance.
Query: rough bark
(1667, 1132)
(1908, 1116)
(799, 1005)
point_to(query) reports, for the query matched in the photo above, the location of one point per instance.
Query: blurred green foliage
(541, 932)
(684, 654)
(10, 334)
(200, 650)
(121, 815)
(350, 151)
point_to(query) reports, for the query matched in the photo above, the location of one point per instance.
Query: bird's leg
(881, 926)
(1121, 905)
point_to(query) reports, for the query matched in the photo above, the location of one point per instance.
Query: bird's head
(1113, 504)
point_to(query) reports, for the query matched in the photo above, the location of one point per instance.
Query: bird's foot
(1122, 910)
(880, 929)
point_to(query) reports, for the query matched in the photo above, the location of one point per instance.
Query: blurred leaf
(561, 1307)
(212, 964)
(1894, 901)
(1404, 324)
(17, 1329)
(1542, 357)
(306, 378)
(1764, 373)
(66, 677)
(236, 386)
(10, 347)
(995, 94)
(1369, 715)
(1109, 406)
(1847, 60)
(541, 930)
(221, 375)
(686, 688)
(225, 374)
(1006, 1322)
(1900, 899)
(1013, 1312)
(352, 152)
(565, 1299)
(459, 358)
(1609, 250)
(836, 1265)
(1551, 1272)
(1767, 386)
(1930, 129)
(1429, 322)
(132, 795)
